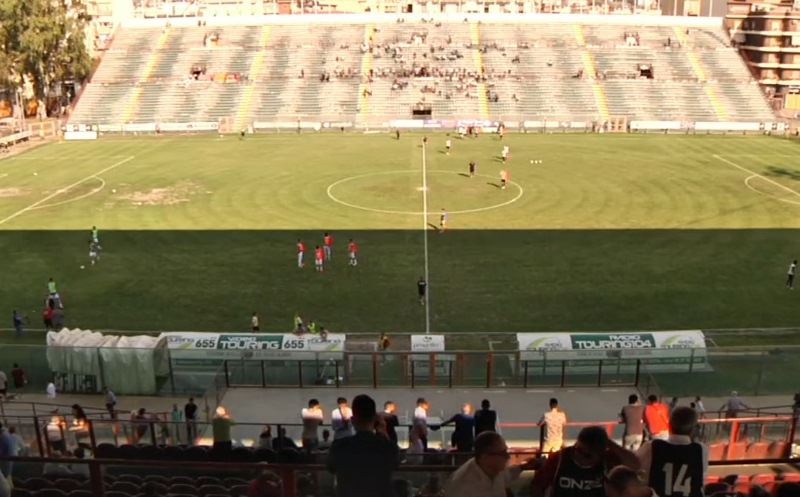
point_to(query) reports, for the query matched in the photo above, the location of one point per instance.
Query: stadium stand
(363, 72)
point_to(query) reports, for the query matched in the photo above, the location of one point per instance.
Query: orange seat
(736, 450)
(757, 450)
(793, 477)
(716, 452)
(712, 479)
(777, 450)
(742, 484)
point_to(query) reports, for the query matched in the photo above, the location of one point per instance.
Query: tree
(45, 41)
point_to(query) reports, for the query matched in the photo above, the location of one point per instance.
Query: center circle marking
(417, 213)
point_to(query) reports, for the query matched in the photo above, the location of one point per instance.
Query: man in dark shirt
(282, 441)
(485, 418)
(390, 420)
(578, 471)
(463, 436)
(363, 464)
(190, 414)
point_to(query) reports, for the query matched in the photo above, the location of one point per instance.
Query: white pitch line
(64, 190)
(742, 168)
(425, 239)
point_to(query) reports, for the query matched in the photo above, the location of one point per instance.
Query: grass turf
(620, 232)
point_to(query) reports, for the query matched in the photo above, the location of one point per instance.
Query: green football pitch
(606, 232)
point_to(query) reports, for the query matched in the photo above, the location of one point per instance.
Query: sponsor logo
(565, 482)
(681, 342)
(618, 341)
(546, 343)
(245, 342)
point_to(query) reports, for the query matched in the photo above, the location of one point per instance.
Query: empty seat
(712, 479)
(757, 450)
(67, 485)
(766, 480)
(742, 484)
(21, 492)
(80, 493)
(136, 479)
(736, 450)
(716, 452)
(181, 488)
(185, 480)
(208, 480)
(207, 490)
(238, 490)
(790, 477)
(124, 486)
(36, 483)
(51, 492)
(777, 450)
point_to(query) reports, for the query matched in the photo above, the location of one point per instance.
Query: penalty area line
(65, 190)
(753, 173)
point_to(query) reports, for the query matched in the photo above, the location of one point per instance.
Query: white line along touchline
(65, 189)
(425, 239)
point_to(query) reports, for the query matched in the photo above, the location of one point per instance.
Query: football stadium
(467, 249)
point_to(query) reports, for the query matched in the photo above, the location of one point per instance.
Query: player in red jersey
(327, 244)
(352, 249)
(301, 250)
(319, 257)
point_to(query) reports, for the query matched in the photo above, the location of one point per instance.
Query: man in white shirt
(553, 421)
(487, 474)
(678, 466)
(421, 419)
(341, 420)
(312, 418)
(3, 385)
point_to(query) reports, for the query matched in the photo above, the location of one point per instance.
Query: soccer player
(95, 235)
(352, 249)
(790, 275)
(94, 252)
(472, 167)
(447, 145)
(327, 244)
(443, 221)
(422, 287)
(503, 178)
(319, 257)
(504, 153)
(301, 250)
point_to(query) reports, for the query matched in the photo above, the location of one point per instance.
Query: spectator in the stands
(677, 466)
(190, 413)
(463, 437)
(325, 444)
(111, 402)
(432, 488)
(364, 463)
(282, 441)
(266, 484)
(265, 438)
(554, 421)
(632, 416)
(80, 425)
(7, 449)
(487, 474)
(312, 419)
(796, 405)
(622, 481)
(734, 405)
(54, 433)
(416, 450)
(672, 404)
(421, 411)
(5, 486)
(788, 489)
(699, 407)
(656, 418)
(141, 423)
(485, 418)
(221, 429)
(21, 447)
(578, 471)
(341, 419)
(390, 420)
(80, 468)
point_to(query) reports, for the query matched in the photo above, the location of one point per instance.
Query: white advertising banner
(80, 135)
(722, 126)
(193, 126)
(202, 345)
(655, 125)
(427, 343)
(657, 348)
